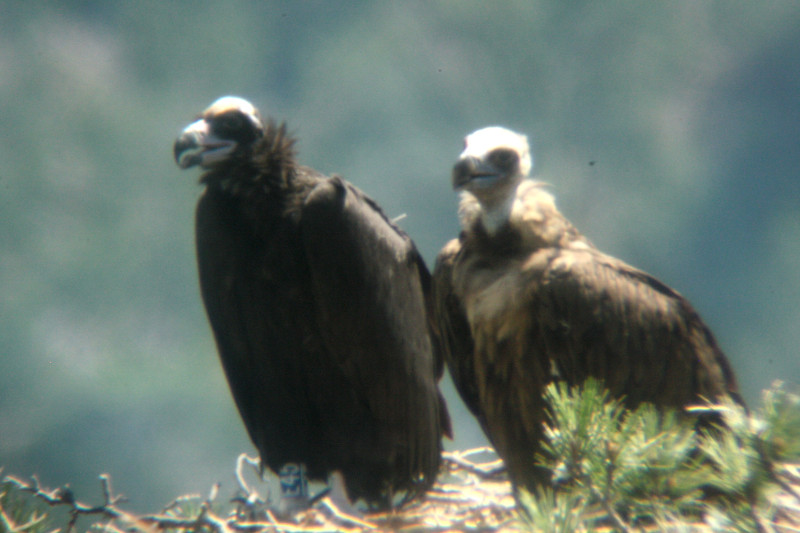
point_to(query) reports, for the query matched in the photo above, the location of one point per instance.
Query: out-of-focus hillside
(668, 131)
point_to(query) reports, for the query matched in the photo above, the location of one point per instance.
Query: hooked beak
(470, 172)
(198, 146)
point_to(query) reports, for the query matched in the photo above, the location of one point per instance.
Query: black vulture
(318, 304)
(522, 299)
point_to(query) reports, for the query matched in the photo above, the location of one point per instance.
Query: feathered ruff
(266, 165)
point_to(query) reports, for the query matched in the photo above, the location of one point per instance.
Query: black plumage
(523, 299)
(318, 306)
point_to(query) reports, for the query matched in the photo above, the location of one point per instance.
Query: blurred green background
(670, 132)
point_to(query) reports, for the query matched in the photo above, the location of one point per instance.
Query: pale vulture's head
(228, 127)
(494, 162)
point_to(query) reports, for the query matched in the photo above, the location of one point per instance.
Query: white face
(231, 103)
(494, 162)
(481, 142)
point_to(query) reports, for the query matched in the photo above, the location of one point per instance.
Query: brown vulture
(318, 305)
(521, 299)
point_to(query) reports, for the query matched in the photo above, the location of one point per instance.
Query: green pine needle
(626, 469)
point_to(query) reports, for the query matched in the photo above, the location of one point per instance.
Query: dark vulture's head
(494, 162)
(226, 130)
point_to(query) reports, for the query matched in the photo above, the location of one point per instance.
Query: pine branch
(646, 468)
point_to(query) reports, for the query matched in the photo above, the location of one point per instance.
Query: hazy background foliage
(669, 131)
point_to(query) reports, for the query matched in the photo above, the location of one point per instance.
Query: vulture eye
(503, 158)
(228, 124)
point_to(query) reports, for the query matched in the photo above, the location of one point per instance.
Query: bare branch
(488, 470)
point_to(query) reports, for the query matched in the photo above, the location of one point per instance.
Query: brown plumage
(318, 306)
(523, 299)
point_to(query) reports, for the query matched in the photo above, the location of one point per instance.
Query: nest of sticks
(472, 494)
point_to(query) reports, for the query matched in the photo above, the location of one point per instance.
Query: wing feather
(256, 341)
(596, 315)
(371, 315)
(452, 335)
